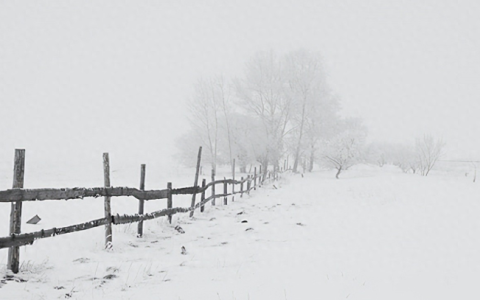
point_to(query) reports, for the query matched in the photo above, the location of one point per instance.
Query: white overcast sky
(78, 78)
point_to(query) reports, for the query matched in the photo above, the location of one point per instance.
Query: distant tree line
(280, 109)
(419, 157)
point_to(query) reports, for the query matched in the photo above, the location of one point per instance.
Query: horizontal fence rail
(13, 195)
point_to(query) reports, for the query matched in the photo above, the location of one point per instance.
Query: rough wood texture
(195, 183)
(225, 192)
(160, 213)
(14, 195)
(241, 187)
(260, 180)
(204, 183)
(169, 200)
(13, 260)
(141, 203)
(80, 193)
(28, 238)
(107, 206)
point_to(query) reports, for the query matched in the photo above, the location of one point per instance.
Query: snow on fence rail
(18, 195)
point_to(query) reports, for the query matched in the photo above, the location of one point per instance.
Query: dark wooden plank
(13, 260)
(225, 187)
(185, 191)
(141, 203)
(195, 183)
(118, 219)
(169, 200)
(107, 206)
(28, 238)
(78, 193)
(204, 183)
(241, 188)
(213, 187)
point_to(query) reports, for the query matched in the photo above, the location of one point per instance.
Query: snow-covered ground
(374, 234)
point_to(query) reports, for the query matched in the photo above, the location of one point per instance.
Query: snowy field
(374, 234)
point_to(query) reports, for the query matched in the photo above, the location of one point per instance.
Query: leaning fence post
(169, 200)
(241, 188)
(196, 180)
(248, 184)
(225, 188)
(204, 183)
(141, 202)
(213, 187)
(107, 207)
(13, 261)
(255, 178)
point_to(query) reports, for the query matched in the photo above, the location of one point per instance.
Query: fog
(81, 78)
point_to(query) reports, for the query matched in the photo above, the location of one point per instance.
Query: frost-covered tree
(320, 125)
(306, 86)
(261, 93)
(429, 150)
(346, 148)
(404, 157)
(205, 108)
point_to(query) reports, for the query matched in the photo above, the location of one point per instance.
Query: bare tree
(306, 82)
(261, 93)
(428, 151)
(205, 110)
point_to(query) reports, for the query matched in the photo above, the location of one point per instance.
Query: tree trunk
(265, 167)
(299, 143)
(339, 170)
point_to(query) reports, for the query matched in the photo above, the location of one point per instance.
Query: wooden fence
(17, 195)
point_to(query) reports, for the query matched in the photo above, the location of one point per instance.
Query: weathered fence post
(233, 177)
(13, 261)
(169, 200)
(196, 180)
(255, 179)
(260, 181)
(141, 202)
(204, 183)
(225, 190)
(107, 207)
(213, 187)
(241, 188)
(248, 184)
